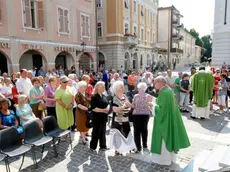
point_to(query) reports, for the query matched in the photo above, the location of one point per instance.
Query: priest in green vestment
(202, 86)
(169, 134)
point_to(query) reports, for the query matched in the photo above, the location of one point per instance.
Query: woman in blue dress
(8, 117)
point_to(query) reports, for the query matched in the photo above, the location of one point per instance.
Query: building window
(142, 11)
(153, 37)
(32, 13)
(63, 19)
(126, 4)
(99, 29)
(135, 30)
(85, 29)
(135, 6)
(148, 36)
(126, 28)
(147, 15)
(99, 3)
(142, 34)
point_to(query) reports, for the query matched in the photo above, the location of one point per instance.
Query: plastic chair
(3, 157)
(35, 137)
(11, 145)
(51, 128)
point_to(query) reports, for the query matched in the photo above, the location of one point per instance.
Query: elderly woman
(36, 98)
(70, 84)
(50, 96)
(7, 89)
(141, 112)
(120, 124)
(83, 101)
(147, 79)
(24, 111)
(8, 117)
(100, 107)
(64, 104)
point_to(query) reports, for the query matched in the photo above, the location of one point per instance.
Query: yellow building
(126, 32)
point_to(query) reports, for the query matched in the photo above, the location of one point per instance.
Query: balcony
(176, 36)
(130, 40)
(181, 26)
(176, 22)
(176, 50)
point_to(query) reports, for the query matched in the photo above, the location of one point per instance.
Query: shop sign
(86, 50)
(72, 49)
(68, 49)
(4, 45)
(32, 46)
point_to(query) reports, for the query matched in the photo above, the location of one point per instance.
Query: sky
(198, 14)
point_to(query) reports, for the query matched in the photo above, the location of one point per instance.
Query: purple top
(50, 93)
(140, 104)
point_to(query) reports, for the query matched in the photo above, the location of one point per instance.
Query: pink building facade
(48, 33)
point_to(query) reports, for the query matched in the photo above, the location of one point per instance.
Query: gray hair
(142, 86)
(160, 79)
(22, 99)
(116, 75)
(71, 76)
(117, 85)
(81, 84)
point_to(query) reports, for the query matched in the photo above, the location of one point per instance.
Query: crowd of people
(131, 97)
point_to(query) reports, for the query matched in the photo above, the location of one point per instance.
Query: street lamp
(83, 44)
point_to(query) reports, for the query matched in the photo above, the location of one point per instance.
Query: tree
(207, 40)
(196, 35)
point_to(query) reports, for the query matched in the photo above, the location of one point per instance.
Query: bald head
(161, 79)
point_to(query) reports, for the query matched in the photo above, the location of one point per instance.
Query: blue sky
(198, 14)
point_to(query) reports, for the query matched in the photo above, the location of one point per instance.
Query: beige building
(173, 40)
(126, 33)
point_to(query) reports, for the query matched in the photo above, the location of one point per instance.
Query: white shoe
(221, 112)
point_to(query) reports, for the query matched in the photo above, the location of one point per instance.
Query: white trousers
(165, 158)
(199, 112)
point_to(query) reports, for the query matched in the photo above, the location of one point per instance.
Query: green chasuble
(168, 124)
(202, 86)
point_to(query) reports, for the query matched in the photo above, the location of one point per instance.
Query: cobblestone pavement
(203, 134)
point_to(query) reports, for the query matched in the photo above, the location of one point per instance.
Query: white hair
(21, 99)
(71, 76)
(160, 79)
(117, 85)
(81, 84)
(142, 86)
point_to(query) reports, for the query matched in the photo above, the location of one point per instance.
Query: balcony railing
(175, 22)
(175, 36)
(130, 39)
(177, 50)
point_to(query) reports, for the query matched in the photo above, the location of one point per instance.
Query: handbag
(89, 119)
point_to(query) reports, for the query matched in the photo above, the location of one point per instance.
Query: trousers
(140, 124)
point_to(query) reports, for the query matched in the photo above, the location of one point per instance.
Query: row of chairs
(12, 146)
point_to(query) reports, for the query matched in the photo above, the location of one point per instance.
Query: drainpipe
(96, 37)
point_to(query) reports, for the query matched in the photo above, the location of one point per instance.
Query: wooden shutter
(87, 25)
(27, 13)
(66, 21)
(83, 25)
(40, 14)
(61, 20)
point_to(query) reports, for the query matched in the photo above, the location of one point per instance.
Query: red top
(216, 78)
(89, 90)
(15, 94)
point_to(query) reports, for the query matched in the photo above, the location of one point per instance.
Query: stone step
(199, 159)
(225, 161)
(212, 162)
